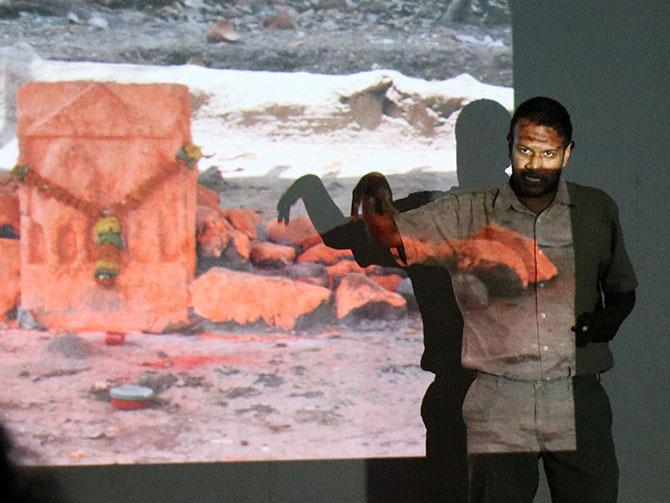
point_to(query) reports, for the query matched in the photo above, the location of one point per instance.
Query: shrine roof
(102, 110)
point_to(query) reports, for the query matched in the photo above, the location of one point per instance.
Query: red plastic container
(130, 397)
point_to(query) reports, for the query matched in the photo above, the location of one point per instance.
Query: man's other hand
(373, 196)
(602, 324)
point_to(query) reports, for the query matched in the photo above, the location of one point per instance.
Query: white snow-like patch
(289, 124)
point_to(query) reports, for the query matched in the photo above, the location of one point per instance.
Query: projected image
(181, 278)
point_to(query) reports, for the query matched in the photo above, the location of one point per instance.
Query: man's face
(538, 157)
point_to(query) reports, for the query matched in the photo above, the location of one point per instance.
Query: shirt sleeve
(429, 232)
(619, 276)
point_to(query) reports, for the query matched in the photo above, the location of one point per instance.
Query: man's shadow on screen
(481, 158)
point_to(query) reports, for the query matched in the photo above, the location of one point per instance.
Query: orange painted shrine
(98, 143)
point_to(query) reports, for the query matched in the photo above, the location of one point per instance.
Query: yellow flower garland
(106, 231)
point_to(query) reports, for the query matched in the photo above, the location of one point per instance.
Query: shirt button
(543, 315)
(545, 348)
(541, 285)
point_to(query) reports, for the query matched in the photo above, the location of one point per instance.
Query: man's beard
(535, 182)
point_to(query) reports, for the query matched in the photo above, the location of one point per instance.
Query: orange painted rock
(340, 269)
(481, 255)
(389, 282)
(324, 255)
(308, 272)
(221, 295)
(98, 146)
(299, 232)
(218, 243)
(207, 197)
(242, 245)
(271, 255)
(10, 262)
(503, 259)
(244, 220)
(9, 202)
(213, 233)
(360, 297)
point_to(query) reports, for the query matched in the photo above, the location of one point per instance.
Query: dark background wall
(609, 63)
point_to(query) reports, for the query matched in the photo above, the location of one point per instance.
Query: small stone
(222, 31)
(282, 21)
(101, 386)
(157, 382)
(213, 232)
(71, 346)
(300, 232)
(323, 254)
(212, 179)
(271, 255)
(360, 297)
(244, 220)
(98, 22)
(270, 380)
(339, 270)
(389, 282)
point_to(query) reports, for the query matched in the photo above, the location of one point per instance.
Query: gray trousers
(587, 473)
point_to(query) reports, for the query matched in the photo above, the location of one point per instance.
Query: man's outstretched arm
(322, 210)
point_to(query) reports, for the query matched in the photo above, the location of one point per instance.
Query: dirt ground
(219, 396)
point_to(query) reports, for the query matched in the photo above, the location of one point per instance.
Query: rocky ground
(419, 38)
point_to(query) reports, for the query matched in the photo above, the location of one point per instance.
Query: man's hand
(582, 329)
(372, 193)
(373, 196)
(289, 198)
(284, 207)
(602, 324)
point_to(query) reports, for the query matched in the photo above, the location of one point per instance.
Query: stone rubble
(415, 37)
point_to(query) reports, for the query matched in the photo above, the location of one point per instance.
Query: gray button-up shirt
(520, 279)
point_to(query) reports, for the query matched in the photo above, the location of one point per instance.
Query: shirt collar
(507, 198)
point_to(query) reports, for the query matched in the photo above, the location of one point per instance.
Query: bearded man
(542, 279)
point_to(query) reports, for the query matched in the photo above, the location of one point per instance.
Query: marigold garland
(106, 231)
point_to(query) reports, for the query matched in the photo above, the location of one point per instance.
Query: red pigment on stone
(190, 362)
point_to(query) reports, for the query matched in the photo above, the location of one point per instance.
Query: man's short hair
(545, 112)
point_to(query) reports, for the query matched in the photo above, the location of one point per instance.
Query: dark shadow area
(24, 485)
(443, 475)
